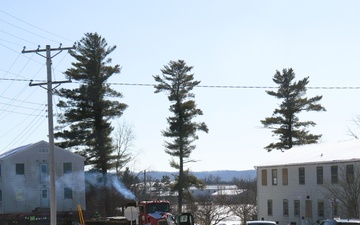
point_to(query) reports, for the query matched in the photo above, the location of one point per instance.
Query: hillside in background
(224, 175)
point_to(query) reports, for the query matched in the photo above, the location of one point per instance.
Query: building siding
(309, 193)
(24, 193)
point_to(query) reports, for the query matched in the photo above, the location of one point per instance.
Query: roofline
(23, 147)
(310, 163)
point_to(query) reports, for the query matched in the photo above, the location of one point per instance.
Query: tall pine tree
(85, 124)
(178, 82)
(284, 121)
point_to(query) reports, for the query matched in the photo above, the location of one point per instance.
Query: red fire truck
(155, 212)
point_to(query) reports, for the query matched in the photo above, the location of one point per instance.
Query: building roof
(216, 187)
(14, 150)
(315, 153)
(228, 192)
(24, 147)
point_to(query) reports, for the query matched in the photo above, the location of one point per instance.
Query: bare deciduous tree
(243, 202)
(207, 211)
(357, 124)
(123, 142)
(346, 191)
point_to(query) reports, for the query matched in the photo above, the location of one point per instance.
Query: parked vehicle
(261, 222)
(155, 212)
(338, 221)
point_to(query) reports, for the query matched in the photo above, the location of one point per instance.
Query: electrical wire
(28, 130)
(212, 86)
(243, 86)
(5, 109)
(20, 38)
(33, 116)
(10, 42)
(34, 103)
(35, 26)
(18, 106)
(35, 34)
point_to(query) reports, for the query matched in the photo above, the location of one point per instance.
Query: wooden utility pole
(49, 89)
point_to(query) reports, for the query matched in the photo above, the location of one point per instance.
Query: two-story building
(25, 180)
(292, 185)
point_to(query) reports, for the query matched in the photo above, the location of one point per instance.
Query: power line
(10, 42)
(269, 87)
(17, 79)
(20, 38)
(209, 86)
(238, 86)
(17, 106)
(34, 103)
(33, 27)
(21, 113)
(27, 30)
(28, 130)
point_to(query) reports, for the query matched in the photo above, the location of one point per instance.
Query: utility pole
(49, 89)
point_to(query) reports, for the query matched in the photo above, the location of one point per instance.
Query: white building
(24, 179)
(213, 190)
(291, 185)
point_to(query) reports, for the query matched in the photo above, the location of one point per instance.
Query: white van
(260, 222)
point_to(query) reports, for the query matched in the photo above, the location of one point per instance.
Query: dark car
(338, 221)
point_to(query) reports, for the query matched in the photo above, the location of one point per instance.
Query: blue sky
(229, 43)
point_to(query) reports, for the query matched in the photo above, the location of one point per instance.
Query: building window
(67, 193)
(319, 175)
(270, 207)
(285, 207)
(67, 167)
(320, 208)
(285, 176)
(44, 193)
(335, 211)
(0, 169)
(44, 173)
(301, 175)
(20, 169)
(296, 207)
(264, 177)
(349, 173)
(308, 208)
(274, 176)
(334, 174)
(43, 150)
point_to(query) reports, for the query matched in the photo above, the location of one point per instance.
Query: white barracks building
(290, 186)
